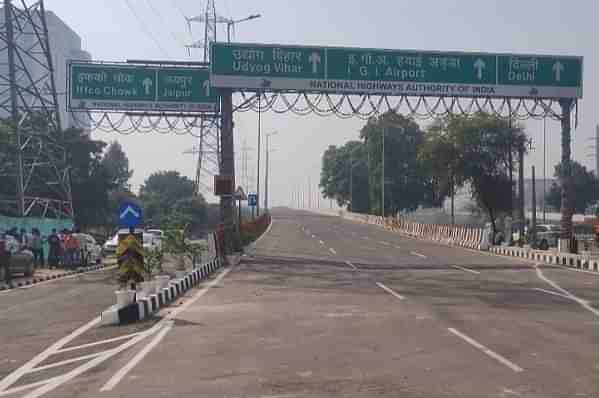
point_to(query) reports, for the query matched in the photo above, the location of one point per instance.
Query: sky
(155, 29)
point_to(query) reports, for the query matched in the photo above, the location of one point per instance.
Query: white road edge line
(551, 292)
(418, 254)
(365, 238)
(487, 351)
(390, 291)
(351, 265)
(98, 360)
(314, 236)
(382, 242)
(397, 247)
(118, 376)
(332, 250)
(321, 242)
(95, 343)
(583, 303)
(114, 380)
(465, 269)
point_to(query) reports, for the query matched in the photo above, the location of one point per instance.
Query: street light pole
(383, 176)
(267, 170)
(351, 181)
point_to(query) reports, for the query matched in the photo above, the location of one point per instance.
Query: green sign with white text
(119, 87)
(393, 72)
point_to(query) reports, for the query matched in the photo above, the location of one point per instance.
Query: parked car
(111, 245)
(156, 232)
(91, 252)
(547, 236)
(21, 261)
(151, 241)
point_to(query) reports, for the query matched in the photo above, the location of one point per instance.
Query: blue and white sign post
(130, 215)
(252, 202)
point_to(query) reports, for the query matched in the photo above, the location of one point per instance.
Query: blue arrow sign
(130, 214)
(252, 199)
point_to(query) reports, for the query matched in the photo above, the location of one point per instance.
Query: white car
(21, 261)
(151, 241)
(91, 251)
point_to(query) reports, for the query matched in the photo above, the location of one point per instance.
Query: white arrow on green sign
(393, 72)
(119, 87)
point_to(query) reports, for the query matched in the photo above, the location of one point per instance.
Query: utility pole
(351, 181)
(309, 194)
(566, 177)
(383, 175)
(545, 169)
(597, 151)
(228, 169)
(267, 170)
(259, 151)
(521, 214)
(534, 210)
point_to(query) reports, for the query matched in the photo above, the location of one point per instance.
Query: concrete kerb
(37, 280)
(144, 307)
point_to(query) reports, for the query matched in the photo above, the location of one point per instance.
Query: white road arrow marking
(207, 87)
(479, 65)
(147, 83)
(314, 59)
(558, 68)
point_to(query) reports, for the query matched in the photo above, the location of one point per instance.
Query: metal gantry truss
(34, 156)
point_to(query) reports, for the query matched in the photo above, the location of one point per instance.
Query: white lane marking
(397, 247)
(95, 343)
(58, 381)
(25, 387)
(118, 376)
(418, 254)
(332, 250)
(487, 351)
(465, 269)
(68, 361)
(351, 265)
(314, 236)
(382, 242)
(390, 291)
(365, 238)
(321, 242)
(114, 380)
(39, 358)
(583, 303)
(551, 292)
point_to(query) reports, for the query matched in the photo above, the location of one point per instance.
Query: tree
(477, 151)
(167, 195)
(116, 163)
(406, 183)
(584, 183)
(344, 176)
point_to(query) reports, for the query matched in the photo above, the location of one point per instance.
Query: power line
(173, 35)
(145, 30)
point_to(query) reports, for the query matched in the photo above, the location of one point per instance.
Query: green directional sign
(393, 72)
(118, 87)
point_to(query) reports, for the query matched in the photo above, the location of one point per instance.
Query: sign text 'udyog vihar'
(120, 87)
(393, 72)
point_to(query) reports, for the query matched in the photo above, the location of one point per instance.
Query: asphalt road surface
(324, 307)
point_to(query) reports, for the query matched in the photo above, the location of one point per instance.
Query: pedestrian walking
(72, 250)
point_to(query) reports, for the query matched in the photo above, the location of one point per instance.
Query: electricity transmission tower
(208, 161)
(34, 178)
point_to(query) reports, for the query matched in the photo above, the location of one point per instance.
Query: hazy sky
(111, 32)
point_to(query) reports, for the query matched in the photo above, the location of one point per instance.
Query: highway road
(324, 307)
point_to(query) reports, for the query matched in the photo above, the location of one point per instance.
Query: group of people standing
(63, 247)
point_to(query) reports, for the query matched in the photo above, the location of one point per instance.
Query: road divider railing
(472, 238)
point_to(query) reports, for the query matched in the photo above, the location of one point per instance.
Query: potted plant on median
(152, 263)
(176, 244)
